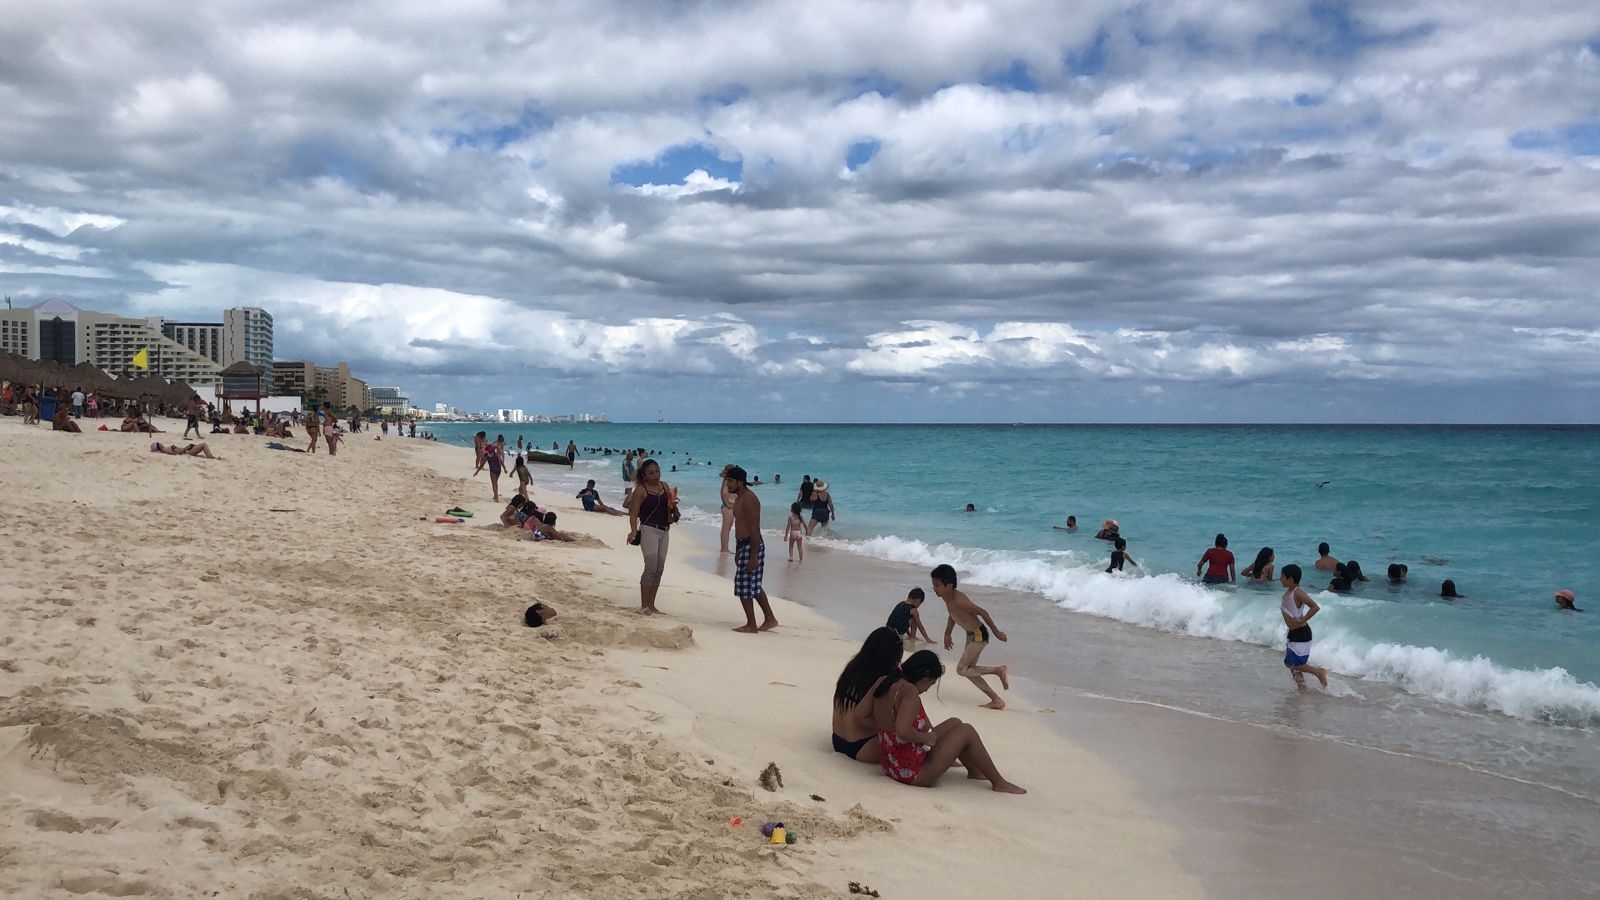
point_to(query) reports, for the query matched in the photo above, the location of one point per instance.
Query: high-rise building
(388, 398)
(194, 352)
(247, 336)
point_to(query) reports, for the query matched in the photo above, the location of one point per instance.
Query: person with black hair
(1448, 590)
(1119, 555)
(1297, 609)
(1218, 563)
(1397, 573)
(914, 751)
(978, 625)
(906, 620)
(1345, 577)
(1261, 569)
(1326, 561)
(538, 615)
(878, 658)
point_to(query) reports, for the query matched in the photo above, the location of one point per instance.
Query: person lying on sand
(913, 751)
(538, 615)
(200, 449)
(590, 496)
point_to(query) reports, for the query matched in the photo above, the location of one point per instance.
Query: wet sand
(1264, 808)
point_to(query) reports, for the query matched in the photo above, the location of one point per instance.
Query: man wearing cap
(750, 552)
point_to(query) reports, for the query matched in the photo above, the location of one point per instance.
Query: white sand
(200, 697)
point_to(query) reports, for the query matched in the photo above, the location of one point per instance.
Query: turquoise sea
(1509, 513)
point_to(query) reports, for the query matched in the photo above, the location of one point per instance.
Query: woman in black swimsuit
(853, 732)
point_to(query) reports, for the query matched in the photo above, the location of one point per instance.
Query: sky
(1189, 211)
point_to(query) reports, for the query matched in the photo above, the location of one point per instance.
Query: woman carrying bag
(652, 508)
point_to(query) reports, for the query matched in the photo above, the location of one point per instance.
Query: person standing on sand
(650, 509)
(194, 416)
(480, 442)
(627, 476)
(977, 623)
(77, 403)
(330, 429)
(314, 428)
(493, 456)
(750, 552)
(727, 508)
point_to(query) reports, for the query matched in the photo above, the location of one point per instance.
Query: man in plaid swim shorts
(750, 553)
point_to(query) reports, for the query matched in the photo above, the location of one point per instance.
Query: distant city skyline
(1211, 211)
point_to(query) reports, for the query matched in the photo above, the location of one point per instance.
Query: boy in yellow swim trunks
(977, 623)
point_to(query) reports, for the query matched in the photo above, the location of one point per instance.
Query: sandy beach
(274, 675)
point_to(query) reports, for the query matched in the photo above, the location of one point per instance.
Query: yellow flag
(141, 360)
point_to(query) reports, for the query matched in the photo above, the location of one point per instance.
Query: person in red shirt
(1220, 563)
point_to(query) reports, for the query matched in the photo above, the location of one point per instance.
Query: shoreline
(223, 697)
(1245, 796)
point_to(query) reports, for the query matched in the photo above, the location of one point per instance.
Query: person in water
(794, 532)
(1325, 560)
(1297, 609)
(1448, 590)
(1109, 530)
(1261, 569)
(971, 508)
(976, 622)
(1218, 562)
(906, 618)
(1119, 555)
(878, 658)
(1397, 573)
(1565, 600)
(914, 751)
(1345, 577)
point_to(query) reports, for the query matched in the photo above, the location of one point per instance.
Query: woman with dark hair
(1218, 563)
(914, 752)
(1345, 576)
(1448, 590)
(878, 658)
(1261, 569)
(651, 511)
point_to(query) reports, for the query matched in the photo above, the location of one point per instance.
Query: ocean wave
(1169, 603)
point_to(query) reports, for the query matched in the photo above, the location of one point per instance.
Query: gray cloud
(1190, 197)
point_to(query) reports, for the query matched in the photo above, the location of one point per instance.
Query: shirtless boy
(977, 623)
(1325, 560)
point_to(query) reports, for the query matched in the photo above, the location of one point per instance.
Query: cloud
(883, 210)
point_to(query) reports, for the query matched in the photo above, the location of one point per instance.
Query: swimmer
(1072, 525)
(1218, 563)
(1120, 556)
(971, 508)
(1109, 530)
(1397, 573)
(1448, 590)
(1325, 560)
(1261, 569)
(1565, 599)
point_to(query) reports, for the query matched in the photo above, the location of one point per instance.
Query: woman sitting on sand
(62, 421)
(853, 731)
(914, 752)
(200, 449)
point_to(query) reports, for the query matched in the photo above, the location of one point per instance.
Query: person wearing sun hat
(1565, 600)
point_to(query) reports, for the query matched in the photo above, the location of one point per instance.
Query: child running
(906, 620)
(794, 533)
(1297, 653)
(978, 625)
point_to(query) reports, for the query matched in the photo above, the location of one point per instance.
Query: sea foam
(1169, 603)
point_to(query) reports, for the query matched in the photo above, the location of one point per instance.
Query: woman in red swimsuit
(912, 750)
